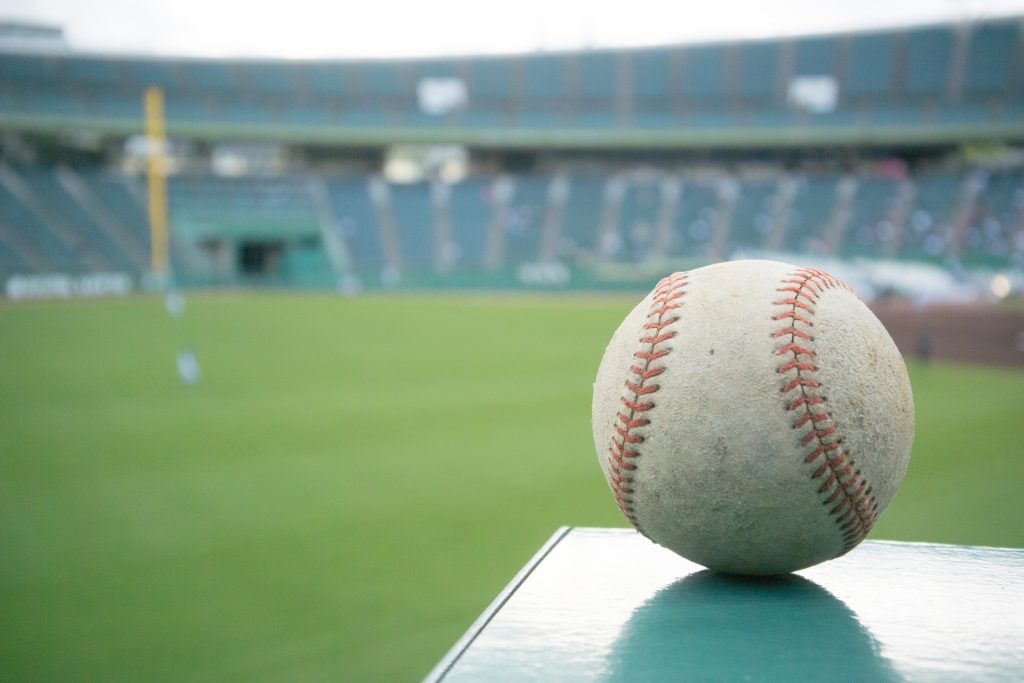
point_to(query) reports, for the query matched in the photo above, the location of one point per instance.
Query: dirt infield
(967, 333)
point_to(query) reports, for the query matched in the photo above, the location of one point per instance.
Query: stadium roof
(406, 28)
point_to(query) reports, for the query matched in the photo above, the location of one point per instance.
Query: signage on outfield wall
(66, 286)
(544, 274)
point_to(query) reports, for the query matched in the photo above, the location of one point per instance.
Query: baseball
(753, 416)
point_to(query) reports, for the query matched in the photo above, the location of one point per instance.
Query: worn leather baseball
(753, 416)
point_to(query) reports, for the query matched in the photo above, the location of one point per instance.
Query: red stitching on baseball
(794, 348)
(651, 355)
(662, 310)
(798, 382)
(793, 331)
(793, 301)
(636, 407)
(633, 424)
(805, 400)
(786, 367)
(821, 450)
(843, 487)
(666, 299)
(808, 416)
(641, 390)
(795, 316)
(818, 433)
(654, 341)
(660, 324)
(647, 374)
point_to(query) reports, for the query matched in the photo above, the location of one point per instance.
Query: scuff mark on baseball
(774, 452)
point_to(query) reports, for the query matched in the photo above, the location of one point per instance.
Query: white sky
(380, 28)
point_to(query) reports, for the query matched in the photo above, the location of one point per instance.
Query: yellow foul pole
(157, 182)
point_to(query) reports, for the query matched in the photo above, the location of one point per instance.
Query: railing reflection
(710, 626)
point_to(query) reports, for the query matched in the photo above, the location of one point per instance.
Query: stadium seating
(382, 81)
(437, 68)
(524, 218)
(471, 208)
(115, 193)
(142, 74)
(272, 79)
(940, 80)
(492, 81)
(995, 229)
(356, 221)
(816, 56)
(704, 75)
(753, 217)
(92, 72)
(545, 78)
(870, 70)
(597, 79)
(654, 79)
(929, 225)
(582, 215)
(326, 79)
(12, 251)
(487, 222)
(928, 61)
(759, 72)
(638, 219)
(810, 210)
(51, 249)
(696, 215)
(413, 215)
(187, 109)
(44, 184)
(869, 227)
(987, 72)
(210, 76)
(688, 153)
(28, 71)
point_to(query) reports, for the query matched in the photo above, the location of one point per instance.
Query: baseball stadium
(299, 353)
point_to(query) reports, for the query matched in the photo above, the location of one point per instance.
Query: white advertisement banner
(65, 286)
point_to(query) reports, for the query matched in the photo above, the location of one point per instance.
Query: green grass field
(352, 482)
